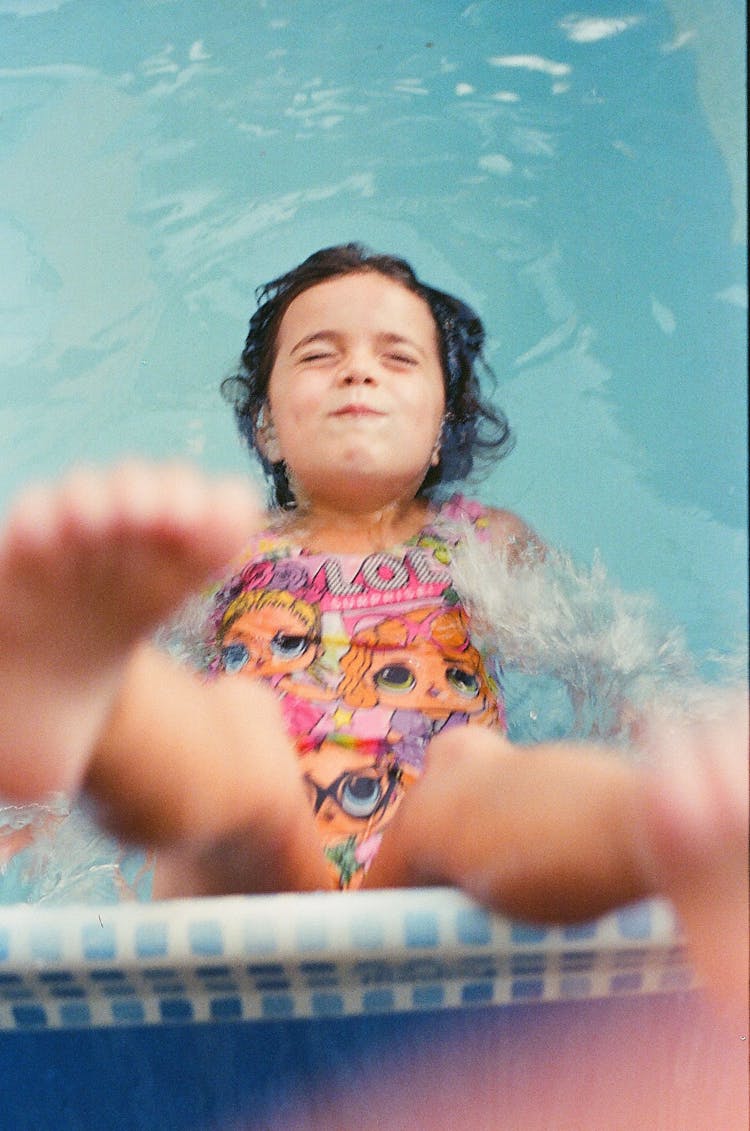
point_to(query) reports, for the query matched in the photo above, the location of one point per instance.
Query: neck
(353, 530)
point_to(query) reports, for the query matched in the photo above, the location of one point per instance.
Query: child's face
(356, 392)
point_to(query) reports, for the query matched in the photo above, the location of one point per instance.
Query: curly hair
(472, 428)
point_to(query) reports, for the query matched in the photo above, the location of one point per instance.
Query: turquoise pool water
(580, 180)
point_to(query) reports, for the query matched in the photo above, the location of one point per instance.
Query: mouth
(356, 410)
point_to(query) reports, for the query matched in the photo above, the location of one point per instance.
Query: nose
(357, 368)
(356, 375)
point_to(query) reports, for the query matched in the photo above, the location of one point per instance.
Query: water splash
(583, 658)
(56, 854)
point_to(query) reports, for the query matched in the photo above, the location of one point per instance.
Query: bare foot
(88, 567)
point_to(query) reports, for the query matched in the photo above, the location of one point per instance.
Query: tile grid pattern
(279, 957)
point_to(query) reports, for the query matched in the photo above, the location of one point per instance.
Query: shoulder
(514, 537)
(503, 529)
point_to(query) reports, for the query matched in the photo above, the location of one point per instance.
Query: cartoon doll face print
(428, 680)
(269, 633)
(351, 792)
(419, 663)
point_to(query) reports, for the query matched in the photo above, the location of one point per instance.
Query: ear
(266, 438)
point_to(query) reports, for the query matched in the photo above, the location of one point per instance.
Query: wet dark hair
(472, 428)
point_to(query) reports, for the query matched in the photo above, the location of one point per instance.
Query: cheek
(429, 404)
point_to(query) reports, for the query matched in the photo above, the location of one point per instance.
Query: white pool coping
(264, 958)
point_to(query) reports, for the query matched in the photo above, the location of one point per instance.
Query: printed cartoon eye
(289, 647)
(395, 677)
(465, 683)
(234, 657)
(359, 795)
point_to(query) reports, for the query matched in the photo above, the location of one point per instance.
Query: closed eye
(320, 356)
(402, 359)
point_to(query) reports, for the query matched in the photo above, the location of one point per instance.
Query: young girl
(347, 729)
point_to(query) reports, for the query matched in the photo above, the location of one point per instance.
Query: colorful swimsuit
(371, 658)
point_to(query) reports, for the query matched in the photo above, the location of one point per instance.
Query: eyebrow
(333, 336)
(316, 336)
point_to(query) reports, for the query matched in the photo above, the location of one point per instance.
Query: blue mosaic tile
(270, 977)
(477, 993)
(120, 990)
(528, 964)
(172, 986)
(578, 960)
(428, 997)
(681, 979)
(263, 968)
(626, 983)
(421, 929)
(378, 1001)
(45, 945)
(67, 991)
(206, 938)
(226, 1009)
(156, 973)
(211, 973)
(75, 1014)
(320, 973)
(629, 959)
(634, 922)
(17, 993)
(575, 985)
(367, 933)
(54, 977)
(99, 942)
(272, 982)
(479, 966)
(30, 1016)
(176, 1009)
(580, 931)
(327, 1005)
(422, 970)
(259, 937)
(374, 972)
(527, 989)
(128, 1012)
(151, 940)
(277, 1006)
(312, 935)
(473, 927)
(527, 933)
(113, 976)
(218, 979)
